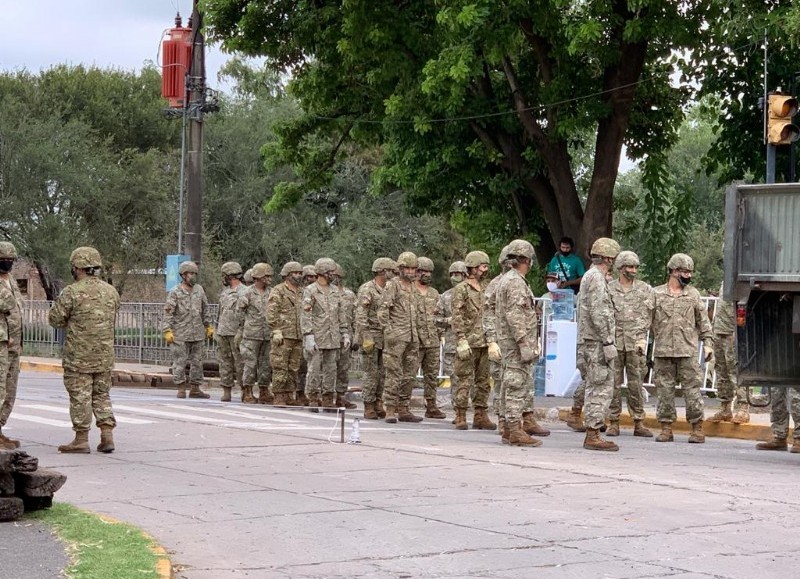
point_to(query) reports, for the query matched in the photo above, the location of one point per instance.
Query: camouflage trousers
(516, 380)
(302, 375)
(598, 384)
(255, 361)
(668, 374)
(230, 360)
(429, 363)
(400, 365)
(372, 363)
(237, 344)
(725, 367)
(343, 371)
(496, 374)
(322, 373)
(285, 362)
(187, 353)
(449, 370)
(628, 365)
(785, 401)
(9, 369)
(473, 377)
(88, 394)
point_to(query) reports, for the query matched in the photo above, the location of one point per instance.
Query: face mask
(684, 280)
(389, 275)
(629, 274)
(296, 278)
(425, 278)
(455, 280)
(552, 286)
(190, 279)
(6, 265)
(408, 276)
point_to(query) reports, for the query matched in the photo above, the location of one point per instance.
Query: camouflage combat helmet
(605, 247)
(324, 265)
(291, 267)
(503, 255)
(476, 258)
(521, 248)
(186, 267)
(457, 267)
(231, 268)
(308, 270)
(7, 250)
(407, 259)
(626, 258)
(680, 261)
(382, 263)
(248, 276)
(425, 263)
(85, 257)
(339, 271)
(261, 270)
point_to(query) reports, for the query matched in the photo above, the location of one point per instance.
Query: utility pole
(194, 158)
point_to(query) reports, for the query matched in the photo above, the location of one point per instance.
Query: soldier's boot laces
(481, 420)
(774, 444)
(518, 437)
(247, 395)
(574, 420)
(724, 414)
(181, 392)
(342, 402)
(195, 392)
(106, 439)
(80, 445)
(639, 429)
(594, 442)
(369, 411)
(697, 436)
(405, 415)
(8, 443)
(530, 426)
(432, 410)
(505, 433)
(226, 394)
(742, 415)
(265, 396)
(613, 428)
(391, 417)
(461, 419)
(666, 433)
(380, 410)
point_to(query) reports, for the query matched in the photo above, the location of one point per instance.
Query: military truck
(762, 277)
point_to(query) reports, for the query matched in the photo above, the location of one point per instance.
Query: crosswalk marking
(236, 413)
(61, 410)
(41, 420)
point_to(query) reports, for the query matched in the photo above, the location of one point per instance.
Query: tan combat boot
(8, 443)
(328, 402)
(742, 415)
(106, 439)
(501, 426)
(291, 400)
(594, 442)
(314, 403)
(380, 410)
(195, 392)
(265, 396)
(724, 414)
(181, 391)
(80, 445)
(505, 433)
(481, 420)
(302, 399)
(639, 429)
(461, 419)
(574, 420)
(369, 411)
(697, 436)
(432, 410)
(226, 394)
(342, 402)
(795, 447)
(279, 399)
(247, 395)
(774, 444)
(613, 428)
(518, 437)
(530, 426)
(391, 417)
(666, 433)
(405, 415)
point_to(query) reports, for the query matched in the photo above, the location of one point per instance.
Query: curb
(41, 367)
(163, 564)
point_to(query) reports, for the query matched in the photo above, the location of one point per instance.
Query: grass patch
(100, 549)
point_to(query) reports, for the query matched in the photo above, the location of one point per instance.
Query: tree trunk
(52, 286)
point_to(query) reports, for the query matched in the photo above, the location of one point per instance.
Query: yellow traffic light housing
(780, 129)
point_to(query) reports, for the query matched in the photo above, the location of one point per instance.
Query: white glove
(309, 344)
(346, 342)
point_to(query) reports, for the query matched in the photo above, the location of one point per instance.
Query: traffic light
(780, 129)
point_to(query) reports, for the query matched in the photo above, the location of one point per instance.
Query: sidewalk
(29, 549)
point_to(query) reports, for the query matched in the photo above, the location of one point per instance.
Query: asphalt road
(248, 491)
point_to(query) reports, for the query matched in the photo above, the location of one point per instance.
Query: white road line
(236, 413)
(165, 414)
(40, 420)
(61, 410)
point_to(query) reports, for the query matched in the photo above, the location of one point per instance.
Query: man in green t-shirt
(567, 266)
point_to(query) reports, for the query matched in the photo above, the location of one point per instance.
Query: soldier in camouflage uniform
(443, 317)
(724, 326)
(633, 310)
(472, 352)
(187, 323)
(283, 316)
(429, 335)
(369, 335)
(596, 335)
(229, 323)
(256, 337)
(397, 315)
(309, 277)
(516, 326)
(489, 320)
(679, 320)
(785, 401)
(325, 333)
(347, 302)
(10, 338)
(88, 310)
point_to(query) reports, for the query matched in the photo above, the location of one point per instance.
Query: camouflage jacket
(347, 302)
(515, 307)
(253, 309)
(595, 310)
(187, 314)
(397, 312)
(369, 298)
(11, 303)
(633, 310)
(489, 320)
(283, 311)
(88, 310)
(679, 322)
(443, 318)
(724, 317)
(229, 321)
(427, 330)
(467, 319)
(322, 316)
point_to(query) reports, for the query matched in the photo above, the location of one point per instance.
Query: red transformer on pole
(176, 57)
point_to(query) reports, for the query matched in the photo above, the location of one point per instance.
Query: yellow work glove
(169, 337)
(463, 351)
(641, 347)
(494, 352)
(367, 345)
(277, 338)
(209, 332)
